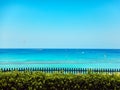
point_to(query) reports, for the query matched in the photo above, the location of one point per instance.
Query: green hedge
(27, 80)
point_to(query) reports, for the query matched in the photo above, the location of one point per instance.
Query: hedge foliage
(27, 80)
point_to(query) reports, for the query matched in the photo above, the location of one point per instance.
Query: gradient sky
(59, 23)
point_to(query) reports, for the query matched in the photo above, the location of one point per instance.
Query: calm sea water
(86, 57)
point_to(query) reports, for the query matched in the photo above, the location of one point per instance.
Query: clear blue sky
(59, 23)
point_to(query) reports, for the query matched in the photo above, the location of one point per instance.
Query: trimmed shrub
(28, 80)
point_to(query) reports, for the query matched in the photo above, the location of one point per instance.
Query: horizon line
(59, 48)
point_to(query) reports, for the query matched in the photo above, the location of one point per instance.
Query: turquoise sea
(81, 58)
